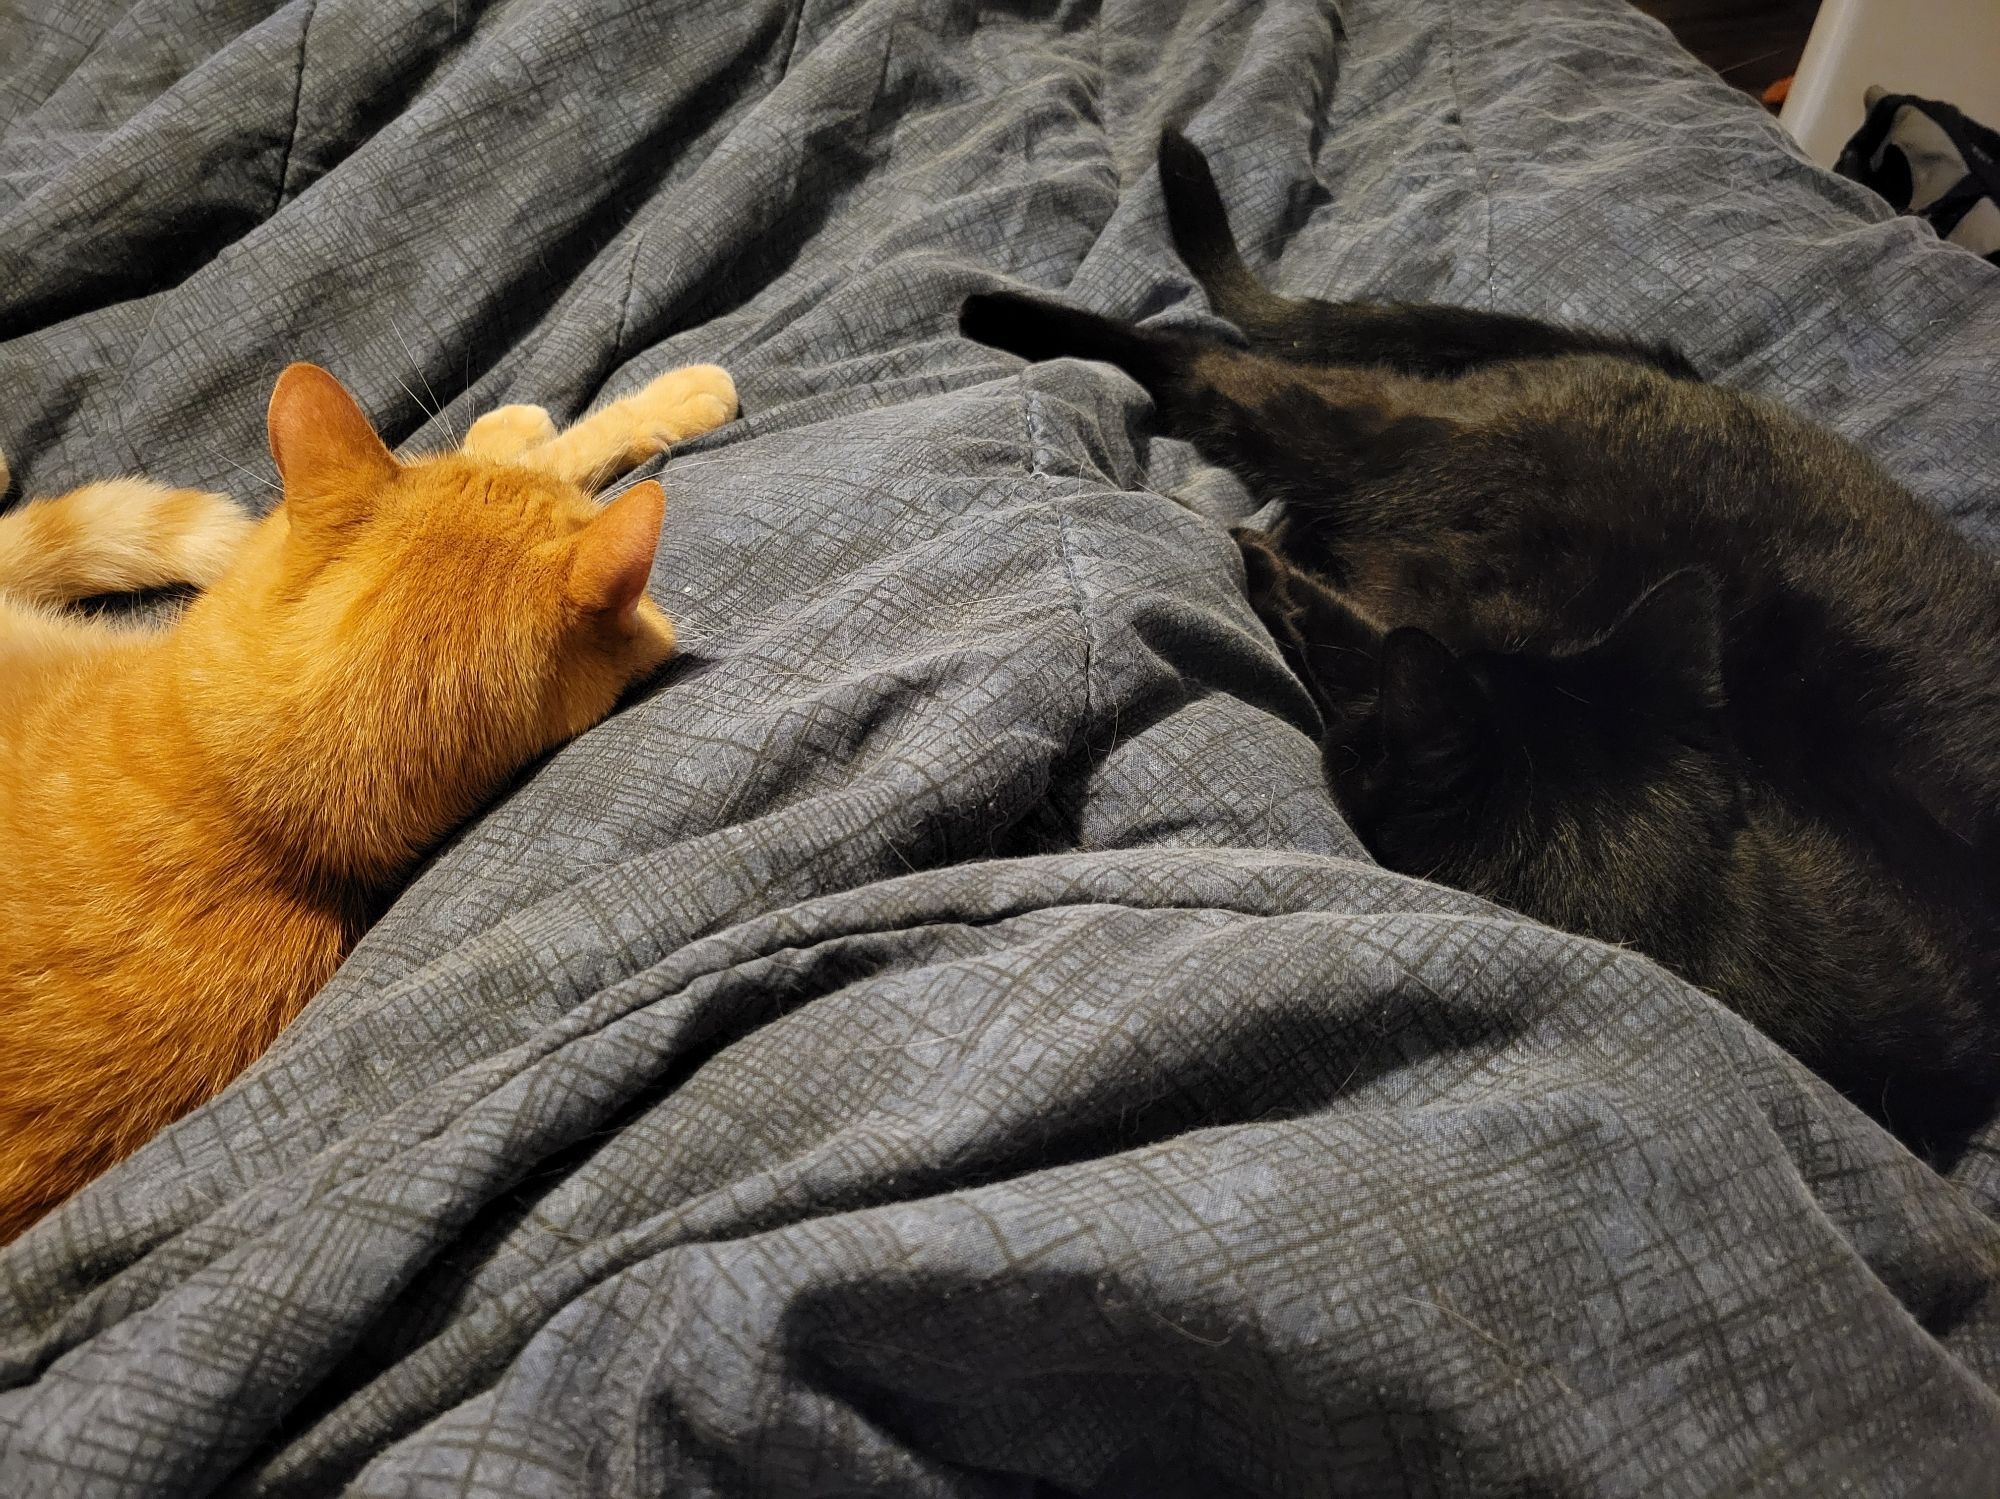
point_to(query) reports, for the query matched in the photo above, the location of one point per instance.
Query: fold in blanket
(943, 1040)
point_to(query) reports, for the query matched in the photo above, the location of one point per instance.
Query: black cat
(1645, 658)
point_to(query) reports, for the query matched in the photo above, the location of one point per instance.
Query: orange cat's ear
(327, 453)
(614, 556)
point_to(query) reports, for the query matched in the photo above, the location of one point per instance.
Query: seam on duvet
(1031, 421)
(298, 94)
(1066, 550)
(1480, 179)
(625, 302)
(798, 21)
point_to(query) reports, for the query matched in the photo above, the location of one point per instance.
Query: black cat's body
(1643, 657)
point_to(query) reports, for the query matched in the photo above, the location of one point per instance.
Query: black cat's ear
(1434, 713)
(1671, 640)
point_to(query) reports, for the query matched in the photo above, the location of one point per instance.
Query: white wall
(1942, 49)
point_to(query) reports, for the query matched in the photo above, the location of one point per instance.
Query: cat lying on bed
(1642, 657)
(198, 820)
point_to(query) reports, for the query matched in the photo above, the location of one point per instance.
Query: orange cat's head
(401, 637)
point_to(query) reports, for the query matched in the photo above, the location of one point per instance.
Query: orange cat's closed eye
(200, 817)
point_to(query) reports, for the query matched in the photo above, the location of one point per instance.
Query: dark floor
(1752, 43)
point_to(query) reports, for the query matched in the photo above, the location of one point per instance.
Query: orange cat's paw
(678, 405)
(619, 437)
(506, 432)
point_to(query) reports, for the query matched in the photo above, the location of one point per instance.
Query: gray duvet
(943, 1040)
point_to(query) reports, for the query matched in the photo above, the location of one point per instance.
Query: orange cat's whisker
(248, 473)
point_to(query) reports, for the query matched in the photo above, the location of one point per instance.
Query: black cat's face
(1593, 789)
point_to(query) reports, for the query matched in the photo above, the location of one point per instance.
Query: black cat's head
(1592, 787)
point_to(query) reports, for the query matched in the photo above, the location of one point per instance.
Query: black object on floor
(1929, 159)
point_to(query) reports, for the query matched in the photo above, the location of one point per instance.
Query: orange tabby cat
(195, 819)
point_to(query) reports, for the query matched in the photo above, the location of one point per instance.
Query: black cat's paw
(1038, 330)
(1267, 585)
(1264, 570)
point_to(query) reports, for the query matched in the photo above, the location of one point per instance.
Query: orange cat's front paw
(618, 438)
(506, 432)
(678, 405)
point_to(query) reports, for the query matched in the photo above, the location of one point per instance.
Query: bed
(943, 1039)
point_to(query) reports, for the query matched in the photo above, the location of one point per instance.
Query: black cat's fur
(1642, 657)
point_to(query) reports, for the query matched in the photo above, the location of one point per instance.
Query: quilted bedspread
(942, 1039)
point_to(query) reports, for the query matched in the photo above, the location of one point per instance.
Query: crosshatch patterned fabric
(943, 1041)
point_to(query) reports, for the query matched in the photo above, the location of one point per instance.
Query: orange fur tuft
(199, 818)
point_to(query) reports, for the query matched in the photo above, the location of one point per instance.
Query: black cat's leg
(1411, 338)
(1288, 431)
(1037, 330)
(1177, 369)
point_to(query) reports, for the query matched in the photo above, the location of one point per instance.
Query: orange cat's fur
(195, 819)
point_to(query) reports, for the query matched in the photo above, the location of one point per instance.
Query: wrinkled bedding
(943, 1040)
